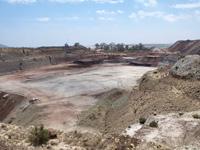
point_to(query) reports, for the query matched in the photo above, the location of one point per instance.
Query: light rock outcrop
(187, 67)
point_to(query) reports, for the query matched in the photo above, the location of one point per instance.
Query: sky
(34, 23)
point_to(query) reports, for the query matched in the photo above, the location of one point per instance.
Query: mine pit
(67, 89)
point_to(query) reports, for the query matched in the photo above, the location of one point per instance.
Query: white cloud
(197, 12)
(105, 12)
(44, 19)
(108, 1)
(106, 19)
(170, 17)
(143, 14)
(133, 15)
(91, 18)
(188, 5)
(97, 1)
(68, 18)
(148, 2)
(67, 1)
(120, 11)
(21, 1)
(160, 15)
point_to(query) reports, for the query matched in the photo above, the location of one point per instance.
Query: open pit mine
(100, 101)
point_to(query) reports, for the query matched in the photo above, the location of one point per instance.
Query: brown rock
(53, 142)
(53, 133)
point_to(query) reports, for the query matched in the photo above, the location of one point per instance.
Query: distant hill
(187, 47)
(3, 46)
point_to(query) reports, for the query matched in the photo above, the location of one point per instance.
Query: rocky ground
(169, 96)
(162, 96)
(175, 130)
(15, 137)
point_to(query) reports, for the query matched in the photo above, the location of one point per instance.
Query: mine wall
(19, 65)
(21, 59)
(28, 64)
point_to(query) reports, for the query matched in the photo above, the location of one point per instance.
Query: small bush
(177, 67)
(196, 116)
(39, 136)
(155, 72)
(153, 124)
(142, 120)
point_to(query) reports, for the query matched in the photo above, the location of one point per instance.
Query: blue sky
(36, 23)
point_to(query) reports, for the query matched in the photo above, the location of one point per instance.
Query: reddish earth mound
(186, 47)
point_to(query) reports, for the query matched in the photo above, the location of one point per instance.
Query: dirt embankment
(8, 102)
(158, 93)
(169, 100)
(188, 47)
(96, 117)
(16, 109)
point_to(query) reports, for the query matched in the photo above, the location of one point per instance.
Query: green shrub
(177, 67)
(39, 136)
(153, 124)
(155, 72)
(142, 120)
(196, 116)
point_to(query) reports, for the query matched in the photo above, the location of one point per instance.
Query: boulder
(53, 133)
(168, 59)
(187, 67)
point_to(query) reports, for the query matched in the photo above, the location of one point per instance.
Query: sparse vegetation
(196, 116)
(39, 136)
(76, 44)
(122, 48)
(155, 72)
(176, 67)
(142, 120)
(153, 124)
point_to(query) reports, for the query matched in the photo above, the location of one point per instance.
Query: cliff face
(20, 59)
(188, 47)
